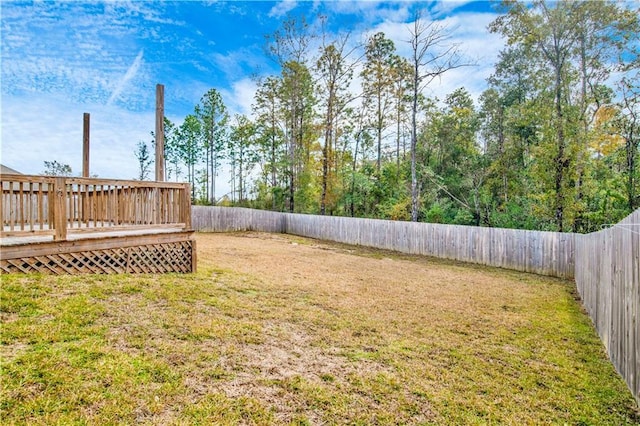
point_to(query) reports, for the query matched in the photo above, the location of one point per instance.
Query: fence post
(60, 209)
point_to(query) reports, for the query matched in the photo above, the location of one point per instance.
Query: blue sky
(59, 60)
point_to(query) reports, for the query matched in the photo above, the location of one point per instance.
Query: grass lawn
(278, 329)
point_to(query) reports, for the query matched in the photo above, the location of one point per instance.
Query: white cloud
(81, 50)
(445, 7)
(241, 97)
(242, 61)
(281, 8)
(369, 12)
(128, 76)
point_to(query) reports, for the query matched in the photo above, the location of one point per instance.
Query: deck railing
(45, 205)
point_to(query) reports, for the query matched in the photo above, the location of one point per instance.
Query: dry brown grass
(286, 330)
(430, 327)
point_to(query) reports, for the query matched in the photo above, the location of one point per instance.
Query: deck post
(60, 209)
(85, 144)
(159, 133)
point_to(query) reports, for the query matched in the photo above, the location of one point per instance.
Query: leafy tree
(400, 70)
(190, 149)
(269, 126)
(200, 187)
(359, 181)
(628, 122)
(171, 150)
(144, 160)
(290, 42)
(570, 42)
(243, 155)
(451, 154)
(289, 45)
(297, 99)
(546, 34)
(509, 129)
(213, 117)
(378, 84)
(53, 168)
(335, 74)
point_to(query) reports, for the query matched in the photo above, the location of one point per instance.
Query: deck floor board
(34, 239)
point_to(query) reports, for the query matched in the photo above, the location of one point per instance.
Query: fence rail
(605, 265)
(37, 205)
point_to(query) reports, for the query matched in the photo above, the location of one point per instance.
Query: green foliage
(378, 85)
(552, 144)
(189, 148)
(53, 168)
(437, 213)
(144, 160)
(242, 155)
(212, 115)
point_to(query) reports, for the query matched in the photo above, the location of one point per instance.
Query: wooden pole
(159, 133)
(85, 145)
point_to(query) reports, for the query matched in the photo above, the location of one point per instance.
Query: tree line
(343, 129)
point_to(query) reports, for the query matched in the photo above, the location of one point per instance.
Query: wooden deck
(80, 225)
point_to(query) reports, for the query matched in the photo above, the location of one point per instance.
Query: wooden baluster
(31, 201)
(21, 205)
(60, 209)
(41, 219)
(2, 205)
(186, 207)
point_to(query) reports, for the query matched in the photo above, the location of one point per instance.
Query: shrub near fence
(605, 264)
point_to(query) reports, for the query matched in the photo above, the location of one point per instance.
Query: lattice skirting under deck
(150, 258)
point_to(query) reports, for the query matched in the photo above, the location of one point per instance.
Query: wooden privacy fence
(44, 205)
(605, 264)
(548, 253)
(608, 280)
(230, 219)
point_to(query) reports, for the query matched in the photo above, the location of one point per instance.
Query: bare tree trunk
(432, 56)
(328, 140)
(414, 143)
(560, 160)
(273, 170)
(353, 174)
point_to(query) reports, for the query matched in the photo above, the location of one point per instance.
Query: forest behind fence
(605, 264)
